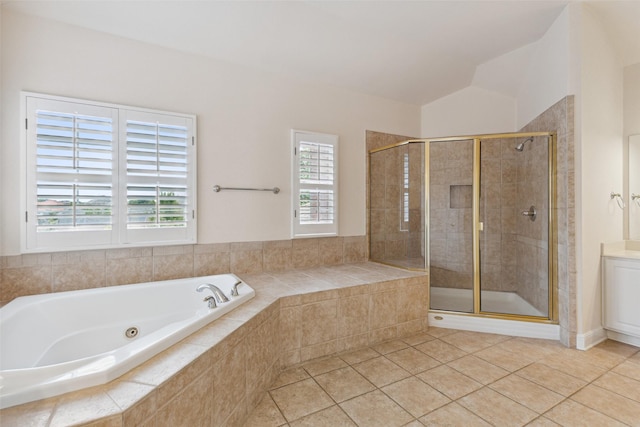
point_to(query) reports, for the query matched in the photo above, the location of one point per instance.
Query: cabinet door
(621, 293)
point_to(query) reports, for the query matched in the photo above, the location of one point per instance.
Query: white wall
(546, 78)
(244, 121)
(470, 111)
(598, 218)
(506, 95)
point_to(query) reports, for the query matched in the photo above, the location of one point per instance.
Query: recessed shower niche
(459, 208)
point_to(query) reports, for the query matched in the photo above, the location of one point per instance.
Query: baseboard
(587, 340)
(490, 325)
(627, 339)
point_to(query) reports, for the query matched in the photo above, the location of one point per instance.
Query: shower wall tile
(379, 139)
(491, 171)
(509, 192)
(510, 218)
(377, 196)
(559, 117)
(439, 196)
(393, 196)
(491, 148)
(376, 162)
(509, 170)
(377, 221)
(395, 249)
(492, 194)
(377, 249)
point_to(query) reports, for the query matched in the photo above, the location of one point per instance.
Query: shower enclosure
(477, 213)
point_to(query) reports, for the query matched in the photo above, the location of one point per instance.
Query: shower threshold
(453, 299)
(461, 301)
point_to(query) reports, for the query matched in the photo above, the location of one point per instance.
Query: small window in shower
(404, 223)
(460, 196)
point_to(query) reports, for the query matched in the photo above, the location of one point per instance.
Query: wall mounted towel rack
(217, 189)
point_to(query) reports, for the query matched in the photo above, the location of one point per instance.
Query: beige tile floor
(458, 378)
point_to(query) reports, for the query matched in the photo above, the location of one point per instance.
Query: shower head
(520, 147)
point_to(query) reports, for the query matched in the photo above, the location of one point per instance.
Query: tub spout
(220, 297)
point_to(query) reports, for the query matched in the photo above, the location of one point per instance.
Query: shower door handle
(531, 213)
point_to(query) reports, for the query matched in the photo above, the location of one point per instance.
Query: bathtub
(55, 343)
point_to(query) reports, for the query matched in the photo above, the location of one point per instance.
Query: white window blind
(315, 184)
(404, 222)
(74, 157)
(157, 162)
(103, 175)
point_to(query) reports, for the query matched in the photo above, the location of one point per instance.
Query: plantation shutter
(159, 174)
(104, 175)
(315, 182)
(73, 187)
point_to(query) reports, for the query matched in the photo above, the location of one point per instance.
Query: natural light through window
(104, 175)
(315, 184)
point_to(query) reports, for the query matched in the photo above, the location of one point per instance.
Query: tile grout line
(516, 372)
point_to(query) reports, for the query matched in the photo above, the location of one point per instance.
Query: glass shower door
(451, 225)
(397, 201)
(514, 211)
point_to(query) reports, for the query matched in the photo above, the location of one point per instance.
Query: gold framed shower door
(477, 227)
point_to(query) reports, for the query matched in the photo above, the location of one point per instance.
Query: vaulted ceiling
(411, 51)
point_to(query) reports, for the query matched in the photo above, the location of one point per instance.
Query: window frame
(299, 230)
(117, 235)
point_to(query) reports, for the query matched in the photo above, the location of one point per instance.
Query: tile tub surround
(218, 375)
(31, 274)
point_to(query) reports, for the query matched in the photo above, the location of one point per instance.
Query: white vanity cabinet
(621, 295)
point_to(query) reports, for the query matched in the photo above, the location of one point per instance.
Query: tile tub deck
(218, 375)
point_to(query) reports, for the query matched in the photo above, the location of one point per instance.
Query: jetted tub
(55, 343)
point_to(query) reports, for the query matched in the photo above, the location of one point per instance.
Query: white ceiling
(411, 51)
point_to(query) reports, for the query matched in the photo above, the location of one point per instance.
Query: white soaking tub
(55, 343)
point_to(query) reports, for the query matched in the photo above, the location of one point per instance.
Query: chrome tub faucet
(218, 295)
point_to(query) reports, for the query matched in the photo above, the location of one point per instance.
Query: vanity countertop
(623, 249)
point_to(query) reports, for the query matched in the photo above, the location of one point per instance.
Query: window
(103, 175)
(315, 184)
(404, 222)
